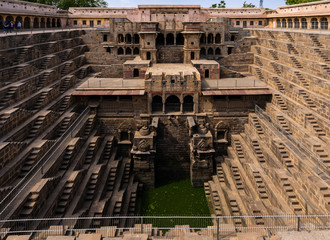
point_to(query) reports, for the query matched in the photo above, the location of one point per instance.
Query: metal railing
(38, 168)
(296, 146)
(217, 227)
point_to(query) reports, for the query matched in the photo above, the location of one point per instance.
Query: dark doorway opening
(170, 39)
(172, 104)
(188, 104)
(157, 104)
(136, 72)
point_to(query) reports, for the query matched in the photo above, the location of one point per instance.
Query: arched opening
(304, 23)
(1, 22)
(179, 39)
(278, 23)
(148, 56)
(120, 38)
(136, 51)
(128, 38)
(290, 24)
(324, 23)
(172, 104)
(217, 38)
(19, 19)
(58, 23)
(210, 51)
(157, 104)
(207, 73)
(48, 23)
(217, 51)
(203, 51)
(136, 39)
(42, 23)
(160, 39)
(53, 23)
(296, 23)
(192, 56)
(203, 39)
(128, 51)
(9, 18)
(170, 39)
(188, 104)
(232, 38)
(36, 23)
(120, 51)
(230, 50)
(315, 23)
(27, 22)
(284, 23)
(210, 38)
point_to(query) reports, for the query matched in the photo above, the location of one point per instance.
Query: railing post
(141, 224)
(218, 228)
(298, 224)
(63, 231)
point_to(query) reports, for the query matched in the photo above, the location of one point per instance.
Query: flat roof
(172, 69)
(205, 62)
(237, 92)
(233, 83)
(137, 60)
(95, 84)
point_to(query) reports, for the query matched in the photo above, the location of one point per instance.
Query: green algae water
(175, 198)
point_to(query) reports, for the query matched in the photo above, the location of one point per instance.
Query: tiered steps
(301, 79)
(40, 101)
(259, 183)
(36, 127)
(288, 191)
(315, 126)
(65, 103)
(91, 150)
(322, 154)
(322, 55)
(258, 61)
(259, 73)
(280, 102)
(237, 178)
(238, 148)
(89, 125)
(307, 99)
(292, 49)
(67, 192)
(284, 124)
(46, 61)
(257, 149)
(63, 127)
(276, 69)
(29, 161)
(91, 187)
(288, 35)
(278, 84)
(295, 61)
(274, 54)
(69, 153)
(285, 157)
(220, 173)
(315, 41)
(255, 122)
(65, 84)
(9, 95)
